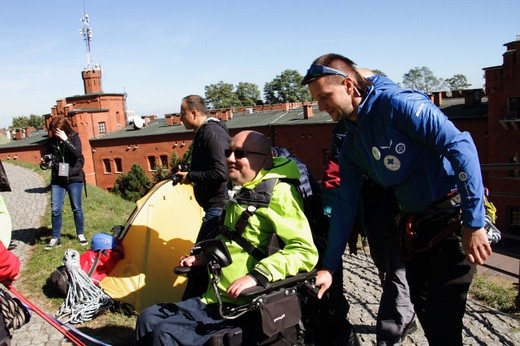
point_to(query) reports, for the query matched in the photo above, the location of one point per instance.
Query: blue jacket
(404, 143)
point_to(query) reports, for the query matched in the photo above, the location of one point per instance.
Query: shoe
(54, 242)
(82, 240)
(409, 328)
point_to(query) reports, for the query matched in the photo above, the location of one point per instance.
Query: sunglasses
(241, 153)
(316, 71)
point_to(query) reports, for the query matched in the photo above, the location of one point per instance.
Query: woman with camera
(64, 157)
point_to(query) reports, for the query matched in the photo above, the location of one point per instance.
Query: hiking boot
(409, 328)
(54, 242)
(82, 240)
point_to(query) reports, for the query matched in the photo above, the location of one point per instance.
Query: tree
(132, 185)
(458, 82)
(221, 95)
(247, 94)
(286, 87)
(33, 120)
(421, 79)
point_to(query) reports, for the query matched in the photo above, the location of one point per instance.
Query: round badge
(463, 176)
(392, 163)
(375, 153)
(400, 148)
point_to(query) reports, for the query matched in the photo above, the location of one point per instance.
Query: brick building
(111, 145)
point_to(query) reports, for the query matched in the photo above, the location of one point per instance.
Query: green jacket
(285, 217)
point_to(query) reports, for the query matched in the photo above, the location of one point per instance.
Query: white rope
(84, 299)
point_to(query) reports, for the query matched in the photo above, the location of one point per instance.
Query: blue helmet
(102, 241)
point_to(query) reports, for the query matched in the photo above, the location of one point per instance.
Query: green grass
(102, 211)
(495, 292)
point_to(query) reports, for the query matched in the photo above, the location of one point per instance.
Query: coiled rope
(84, 299)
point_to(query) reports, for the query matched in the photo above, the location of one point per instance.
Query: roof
(240, 120)
(454, 108)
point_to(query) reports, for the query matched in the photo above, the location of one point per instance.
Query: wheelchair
(286, 312)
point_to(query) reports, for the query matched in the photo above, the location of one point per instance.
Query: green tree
(20, 122)
(422, 79)
(36, 121)
(458, 82)
(247, 94)
(286, 87)
(132, 185)
(221, 95)
(33, 120)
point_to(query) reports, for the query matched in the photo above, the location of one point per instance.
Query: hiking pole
(46, 317)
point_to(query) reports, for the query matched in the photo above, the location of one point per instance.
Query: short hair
(342, 63)
(196, 102)
(61, 123)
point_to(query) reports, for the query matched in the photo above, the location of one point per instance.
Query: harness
(259, 197)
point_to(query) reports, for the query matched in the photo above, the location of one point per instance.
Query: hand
(189, 261)
(61, 135)
(475, 245)
(239, 285)
(183, 176)
(323, 281)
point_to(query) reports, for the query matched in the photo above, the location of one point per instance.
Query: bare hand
(61, 135)
(239, 285)
(189, 261)
(476, 245)
(183, 176)
(323, 281)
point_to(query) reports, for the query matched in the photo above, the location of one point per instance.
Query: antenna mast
(86, 32)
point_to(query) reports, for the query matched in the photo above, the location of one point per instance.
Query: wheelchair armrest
(181, 270)
(272, 286)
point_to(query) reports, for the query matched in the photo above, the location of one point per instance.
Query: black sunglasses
(241, 153)
(316, 71)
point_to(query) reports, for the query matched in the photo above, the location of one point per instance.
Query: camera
(177, 178)
(48, 161)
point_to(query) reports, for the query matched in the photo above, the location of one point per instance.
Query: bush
(133, 185)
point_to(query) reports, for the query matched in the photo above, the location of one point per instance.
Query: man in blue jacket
(404, 142)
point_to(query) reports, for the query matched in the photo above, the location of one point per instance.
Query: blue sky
(160, 51)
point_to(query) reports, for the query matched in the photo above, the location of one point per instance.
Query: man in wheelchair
(247, 231)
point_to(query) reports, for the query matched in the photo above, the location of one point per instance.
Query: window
(151, 163)
(119, 165)
(106, 164)
(164, 160)
(102, 126)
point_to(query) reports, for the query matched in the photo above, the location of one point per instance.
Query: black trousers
(439, 279)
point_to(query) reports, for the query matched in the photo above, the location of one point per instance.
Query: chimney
(437, 98)
(307, 111)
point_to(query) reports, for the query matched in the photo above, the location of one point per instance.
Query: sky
(158, 51)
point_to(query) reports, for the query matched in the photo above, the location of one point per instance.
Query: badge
(400, 148)
(376, 153)
(63, 169)
(392, 163)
